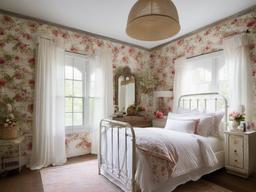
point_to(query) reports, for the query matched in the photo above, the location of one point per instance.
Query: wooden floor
(232, 182)
(30, 181)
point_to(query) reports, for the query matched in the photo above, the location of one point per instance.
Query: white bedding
(196, 157)
(215, 143)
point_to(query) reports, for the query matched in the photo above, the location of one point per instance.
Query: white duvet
(193, 153)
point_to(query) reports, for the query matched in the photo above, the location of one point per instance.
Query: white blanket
(193, 153)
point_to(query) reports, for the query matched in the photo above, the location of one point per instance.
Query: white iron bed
(118, 156)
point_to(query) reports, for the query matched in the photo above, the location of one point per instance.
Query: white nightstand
(240, 153)
(9, 163)
(159, 122)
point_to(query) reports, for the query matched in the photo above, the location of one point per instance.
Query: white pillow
(206, 123)
(182, 125)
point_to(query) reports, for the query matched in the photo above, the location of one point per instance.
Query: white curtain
(241, 84)
(100, 93)
(48, 147)
(178, 82)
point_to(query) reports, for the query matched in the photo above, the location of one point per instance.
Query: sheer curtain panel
(241, 83)
(48, 147)
(180, 66)
(100, 93)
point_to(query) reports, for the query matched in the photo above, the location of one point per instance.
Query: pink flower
(65, 35)
(2, 82)
(29, 146)
(1, 31)
(55, 33)
(18, 75)
(31, 83)
(73, 49)
(251, 23)
(2, 61)
(7, 19)
(17, 97)
(30, 108)
(125, 59)
(32, 61)
(159, 115)
(26, 36)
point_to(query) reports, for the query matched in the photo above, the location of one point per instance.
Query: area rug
(83, 177)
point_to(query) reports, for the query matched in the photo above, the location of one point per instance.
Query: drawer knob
(235, 160)
(235, 151)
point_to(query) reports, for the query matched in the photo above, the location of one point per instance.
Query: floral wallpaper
(208, 40)
(18, 62)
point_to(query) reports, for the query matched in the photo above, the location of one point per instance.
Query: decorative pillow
(205, 125)
(182, 125)
(218, 116)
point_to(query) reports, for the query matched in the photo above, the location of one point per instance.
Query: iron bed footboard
(123, 180)
(119, 177)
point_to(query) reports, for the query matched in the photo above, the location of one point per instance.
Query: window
(75, 92)
(204, 74)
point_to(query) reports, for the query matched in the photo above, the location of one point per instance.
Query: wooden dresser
(135, 121)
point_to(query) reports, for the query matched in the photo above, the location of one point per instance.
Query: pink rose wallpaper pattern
(208, 40)
(18, 62)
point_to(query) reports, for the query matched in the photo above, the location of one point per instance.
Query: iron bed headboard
(114, 172)
(206, 102)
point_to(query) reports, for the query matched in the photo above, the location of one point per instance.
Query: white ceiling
(109, 17)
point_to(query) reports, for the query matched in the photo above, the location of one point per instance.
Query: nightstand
(9, 163)
(135, 121)
(159, 122)
(240, 154)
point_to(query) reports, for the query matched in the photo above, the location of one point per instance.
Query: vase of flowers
(8, 128)
(236, 119)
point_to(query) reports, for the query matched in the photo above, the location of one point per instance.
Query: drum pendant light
(152, 20)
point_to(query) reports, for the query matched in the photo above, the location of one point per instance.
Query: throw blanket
(161, 154)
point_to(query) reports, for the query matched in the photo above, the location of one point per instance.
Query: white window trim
(83, 128)
(215, 82)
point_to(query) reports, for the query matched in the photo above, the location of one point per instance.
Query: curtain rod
(46, 38)
(65, 50)
(205, 53)
(247, 31)
(76, 53)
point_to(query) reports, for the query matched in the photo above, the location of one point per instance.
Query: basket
(8, 133)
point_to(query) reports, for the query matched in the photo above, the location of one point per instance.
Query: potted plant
(131, 110)
(140, 111)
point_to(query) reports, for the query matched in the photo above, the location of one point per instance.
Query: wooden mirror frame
(126, 72)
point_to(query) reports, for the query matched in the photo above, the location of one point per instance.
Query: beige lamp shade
(152, 20)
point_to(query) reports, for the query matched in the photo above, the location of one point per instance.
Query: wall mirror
(125, 89)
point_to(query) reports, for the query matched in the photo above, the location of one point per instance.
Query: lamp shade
(152, 20)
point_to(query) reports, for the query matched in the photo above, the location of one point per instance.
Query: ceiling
(109, 17)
